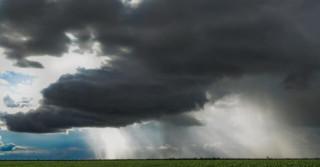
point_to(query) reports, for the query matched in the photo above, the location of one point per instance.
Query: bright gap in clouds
(132, 3)
(55, 67)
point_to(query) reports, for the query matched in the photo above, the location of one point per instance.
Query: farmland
(164, 163)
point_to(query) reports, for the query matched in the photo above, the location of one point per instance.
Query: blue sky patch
(14, 78)
(46, 146)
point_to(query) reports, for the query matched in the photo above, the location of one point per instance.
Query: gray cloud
(30, 28)
(181, 120)
(176, 52)
(105, 97)
(268, 36)
(27, 63)
(9, 147)
(297, 106)
(10, 103)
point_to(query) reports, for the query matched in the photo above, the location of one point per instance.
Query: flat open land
(164, 163)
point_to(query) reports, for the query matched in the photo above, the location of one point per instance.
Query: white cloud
(3, 82)
(132, 3)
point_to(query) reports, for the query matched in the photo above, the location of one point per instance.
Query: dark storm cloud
(38, 27)
(254, 36)
(297, 106)
(181, 120)
(175, 51)
(51, 119)
(106, 97)
(216, 38)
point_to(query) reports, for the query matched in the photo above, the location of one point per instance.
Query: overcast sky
(159, 79)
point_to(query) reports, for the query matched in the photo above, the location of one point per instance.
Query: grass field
(165, 163)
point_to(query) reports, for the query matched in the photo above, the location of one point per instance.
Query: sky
(140, 79)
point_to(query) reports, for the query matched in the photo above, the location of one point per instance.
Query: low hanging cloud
(107, 98)
(10, 147)
(165, 56)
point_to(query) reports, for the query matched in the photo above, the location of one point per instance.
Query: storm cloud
(107, 98)
(166, 57)
(37, 28)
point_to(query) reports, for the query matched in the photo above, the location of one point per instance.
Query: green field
(165, 163)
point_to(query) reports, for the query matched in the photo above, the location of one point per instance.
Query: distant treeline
(213, 158)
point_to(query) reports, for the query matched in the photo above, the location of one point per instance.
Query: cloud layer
(165, 57)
